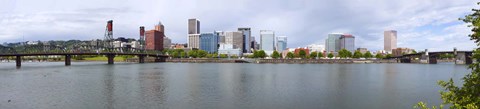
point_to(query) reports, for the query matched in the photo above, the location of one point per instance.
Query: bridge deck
(43, 54)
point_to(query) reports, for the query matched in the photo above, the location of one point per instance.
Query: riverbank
(260, 61)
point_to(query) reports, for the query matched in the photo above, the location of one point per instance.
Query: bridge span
(460, 57)
(68, 56)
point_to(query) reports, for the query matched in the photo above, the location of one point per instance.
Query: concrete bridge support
(463, 58)
(18, 60)
(68, 60)
(110, 59)
(432, 59)
(160, 59)
(141, 59)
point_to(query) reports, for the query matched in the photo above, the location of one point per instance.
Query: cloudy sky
(421, 24)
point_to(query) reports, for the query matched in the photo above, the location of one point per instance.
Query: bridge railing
(79, 50)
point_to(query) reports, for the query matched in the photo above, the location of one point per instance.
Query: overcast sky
(421, 24)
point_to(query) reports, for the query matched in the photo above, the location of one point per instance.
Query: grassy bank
(103, 58)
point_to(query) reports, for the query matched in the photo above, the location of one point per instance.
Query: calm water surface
(89, 85)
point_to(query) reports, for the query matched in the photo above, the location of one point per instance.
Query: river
(93, 85)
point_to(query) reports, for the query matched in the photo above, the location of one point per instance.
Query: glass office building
(209, 42)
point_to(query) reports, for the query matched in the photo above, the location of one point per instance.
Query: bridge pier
(110, 58)
(18, 60)
(141, 59)
(160, 59)
(68, 60)
(432, 59)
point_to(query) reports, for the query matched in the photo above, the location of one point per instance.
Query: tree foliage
(290, 55)
(313, 55)
(302, 54)
(388, 56)
(413, 52)
(379, 56)
(357, 54)
(368, 55)
(275, 55)
(330, 55)
(344, 53)
(466, 96)
(259, 54)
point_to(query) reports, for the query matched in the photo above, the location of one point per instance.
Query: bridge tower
(142, 38)
(108, 39)
(455, 54)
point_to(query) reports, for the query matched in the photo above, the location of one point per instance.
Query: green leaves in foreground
(466, 96)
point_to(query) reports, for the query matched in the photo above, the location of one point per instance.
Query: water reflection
(232, 86)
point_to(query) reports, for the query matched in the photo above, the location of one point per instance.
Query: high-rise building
(160, 27)
(362, 50)
(154, 40)
(253, 43)
(267, 41)
(221, 36)
(229, 50)
(246, 39)
(347, 41)
(332, 43)
(209, 42)
(193, 33)
(316, 48)
(234, 38)
(193, 41)
(166, 42)
(193, 26)
(390, 40)
(281, 43)
(401, 51)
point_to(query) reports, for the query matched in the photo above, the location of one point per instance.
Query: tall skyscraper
(193, 33)
(234, 38)
(267, 41)
(209, 42)
(194, 41)
(154, 40)
(193, 26)
(160, 27)
(332, 43)
(221, 36)
(281, 43)
(347, 41)
(246, 39)
(166, 42)
(390, 40)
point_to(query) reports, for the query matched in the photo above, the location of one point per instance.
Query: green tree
(175, 55)
(330, 55)
(379, 56)
(313, 55)
(302, 54)
(320, 54)
(183, 54)
(209, 55)
(413, 52)
(261, 54)
(465, 96)
(201, 53)
(290, 55)
(388, 56)
(275, 55)
(368, 55)
(357, 54)
(192, 53)
(344, 53)
(223, 56)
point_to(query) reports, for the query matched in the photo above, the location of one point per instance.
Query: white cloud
(421, 24)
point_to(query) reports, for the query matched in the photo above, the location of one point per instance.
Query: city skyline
(304, 22)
